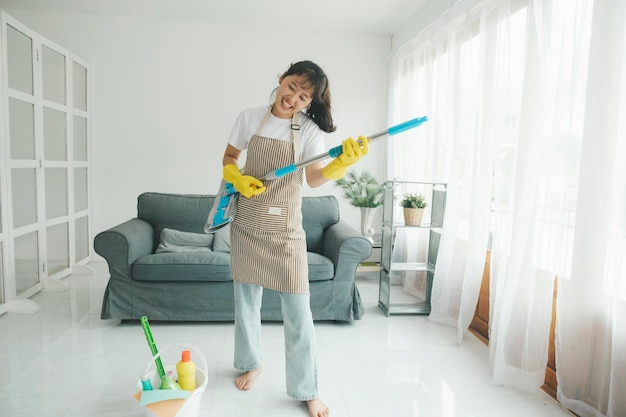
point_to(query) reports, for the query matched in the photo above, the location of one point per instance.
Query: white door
(45, 154)
(23, 155)
(80, 190)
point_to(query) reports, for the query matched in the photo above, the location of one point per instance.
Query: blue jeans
(300, 344)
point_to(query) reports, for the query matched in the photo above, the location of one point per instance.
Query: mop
(222, 212)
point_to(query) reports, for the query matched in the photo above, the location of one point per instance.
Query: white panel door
(44, 168)
(24, 176)
(80, 189)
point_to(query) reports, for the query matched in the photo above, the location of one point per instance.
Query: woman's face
(294, 94)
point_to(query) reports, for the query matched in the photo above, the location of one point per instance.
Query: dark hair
(320, 109)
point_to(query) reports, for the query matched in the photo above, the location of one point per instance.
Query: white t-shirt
(248, 121)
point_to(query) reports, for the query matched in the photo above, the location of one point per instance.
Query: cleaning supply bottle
(186, 370)
(168, 381)
(145, 382)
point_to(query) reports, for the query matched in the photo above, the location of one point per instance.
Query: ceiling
(361, 16)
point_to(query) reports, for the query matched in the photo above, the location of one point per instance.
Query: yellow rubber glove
(351, 152)
(245, 184)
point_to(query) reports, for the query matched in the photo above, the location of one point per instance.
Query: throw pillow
(179, 241)
(222, 240)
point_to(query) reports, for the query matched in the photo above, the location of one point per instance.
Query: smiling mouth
(286, 104)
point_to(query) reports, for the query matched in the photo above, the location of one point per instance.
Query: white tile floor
(63, 361)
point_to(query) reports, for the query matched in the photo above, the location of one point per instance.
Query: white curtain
(448, 73)
(533, 234)
(524, 99)
(591, 305)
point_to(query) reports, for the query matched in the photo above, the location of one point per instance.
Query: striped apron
(268, 243)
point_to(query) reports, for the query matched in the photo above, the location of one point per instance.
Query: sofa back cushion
(179, 241)
(188, 213)
(184, 212)
(318, 213)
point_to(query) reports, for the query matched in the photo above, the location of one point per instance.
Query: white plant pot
(367, 215)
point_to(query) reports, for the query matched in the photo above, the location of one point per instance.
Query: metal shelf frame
(391, 300)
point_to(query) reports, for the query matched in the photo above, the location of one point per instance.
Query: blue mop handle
(338, 150)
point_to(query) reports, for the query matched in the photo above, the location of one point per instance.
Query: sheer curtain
(535, 217)
(524, 99)
(591, 304)
(448, 72)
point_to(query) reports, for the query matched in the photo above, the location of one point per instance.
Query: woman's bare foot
(317, 408)
(244, 381)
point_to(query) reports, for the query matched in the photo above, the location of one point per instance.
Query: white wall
(164, 95)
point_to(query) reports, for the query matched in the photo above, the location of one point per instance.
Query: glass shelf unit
(409, 253)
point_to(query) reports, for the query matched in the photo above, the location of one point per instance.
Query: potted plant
(413, 205)
(363, 191)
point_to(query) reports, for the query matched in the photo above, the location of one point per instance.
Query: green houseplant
(413, 200)
(413, 205)
(363, 191)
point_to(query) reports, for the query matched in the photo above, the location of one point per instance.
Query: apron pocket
(263, 216)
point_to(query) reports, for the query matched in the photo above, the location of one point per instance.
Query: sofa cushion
(185, 212)
(209, 266)
(183, 266)
(179, 241)
(320, 267)
(163, 210)
(318, 213)
(222, 240)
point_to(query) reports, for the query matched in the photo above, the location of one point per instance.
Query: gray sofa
(150, 276)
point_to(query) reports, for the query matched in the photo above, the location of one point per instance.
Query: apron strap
(263, 121)
(295, 133)
(295, 137)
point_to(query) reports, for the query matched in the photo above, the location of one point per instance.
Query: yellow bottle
(186, 370)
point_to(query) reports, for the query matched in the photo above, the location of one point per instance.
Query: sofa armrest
(346, 247)
(123, 244)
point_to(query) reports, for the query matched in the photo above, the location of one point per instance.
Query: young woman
(268, 244)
